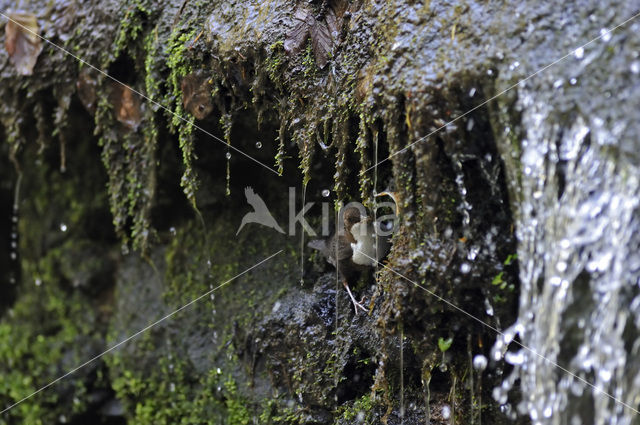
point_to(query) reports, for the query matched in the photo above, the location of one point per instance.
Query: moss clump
(361, 411)
(43, 338)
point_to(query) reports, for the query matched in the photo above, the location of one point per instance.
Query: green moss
(42, 329)
(361, 411)
(236, 410)
(179, 66)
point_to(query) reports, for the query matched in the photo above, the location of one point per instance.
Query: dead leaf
(297, 36)
(126, 106)
(321, 42)
(196, 94)
(323, 32)
(22, 41)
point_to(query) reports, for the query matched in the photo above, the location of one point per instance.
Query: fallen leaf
(297, 36)
(321, 42)
(126, 105)
(323, 33)
(196, 94)
(22, 41)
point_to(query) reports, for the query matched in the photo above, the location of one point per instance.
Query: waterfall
(577, 226)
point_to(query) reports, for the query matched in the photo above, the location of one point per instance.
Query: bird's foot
(356, 304)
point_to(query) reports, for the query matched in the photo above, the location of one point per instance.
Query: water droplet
(473, 252)
(472, 92)
(555, 280)
(259, 145)
(218, 371)
(14, 245)
(558, 83)
(446, 412)
(514, 65)
(228, 155)
(326, 193)
(276, 307)
(470, 124)
(443, 367)
(172, 230)
(579, 53)
(172, 387)
(489, 72)
(605, 375)
(13, 256)
(480, 362)
(605, 34)
(14, 219)
(488, 308)
(635, 67)
(38, 282)
(63, 227)
(573, 81)
(516, 358)
(547, 412)
(465, 268)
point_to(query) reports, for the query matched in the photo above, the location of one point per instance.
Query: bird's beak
(393, 195)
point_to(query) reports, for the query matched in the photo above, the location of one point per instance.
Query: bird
(260, 213)
(356, 246)
(353, 249)
(367, 248)
(338, 252)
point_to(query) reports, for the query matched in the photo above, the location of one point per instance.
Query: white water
(579, 256)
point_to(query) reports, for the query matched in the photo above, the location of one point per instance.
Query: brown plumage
(338, 252)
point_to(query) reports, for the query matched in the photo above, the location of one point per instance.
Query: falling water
(228, 172)
(13, 252)
(577, 228)
(401, 374)
(304, 201)
(465, 206)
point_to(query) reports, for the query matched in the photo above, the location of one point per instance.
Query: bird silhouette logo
(260, 213)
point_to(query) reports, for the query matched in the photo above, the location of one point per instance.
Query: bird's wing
(318, 244)
(339, 248)
(254, 200)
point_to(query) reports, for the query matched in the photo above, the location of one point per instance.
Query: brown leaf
(322, 43)
(126, 105)
(324, 33)
(196, 94)
(22, 41)
(297, 36)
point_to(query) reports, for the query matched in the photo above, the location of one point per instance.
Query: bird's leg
(356, 304)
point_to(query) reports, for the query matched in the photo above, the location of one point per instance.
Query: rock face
(515, 165)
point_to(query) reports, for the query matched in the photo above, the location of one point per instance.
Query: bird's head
(352, 216)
